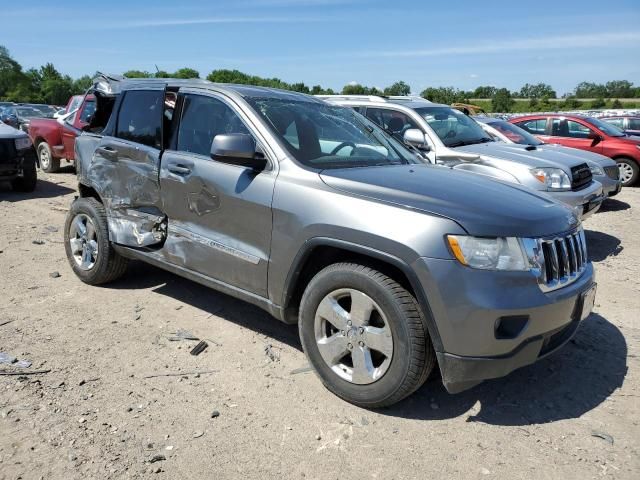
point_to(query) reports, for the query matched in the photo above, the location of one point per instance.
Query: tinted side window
(618, 122)
(390, 120)
(202, 119)
(537, 127)
(634, 124)
(568, 128)
(140, 117)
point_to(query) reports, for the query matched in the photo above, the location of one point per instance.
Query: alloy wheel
(45, 159)
(353, 336)
(83, 241)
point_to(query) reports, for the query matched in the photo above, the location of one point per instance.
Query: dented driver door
(126, 168)
(219, 215)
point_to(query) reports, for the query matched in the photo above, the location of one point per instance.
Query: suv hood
(519, 153)
(561, 152)
(482, 206)
(7, 131)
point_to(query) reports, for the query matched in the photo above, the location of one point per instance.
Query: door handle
(108, 152)
(179, 169)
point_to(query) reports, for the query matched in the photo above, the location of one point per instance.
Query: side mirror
(238, 149)
(416, 138)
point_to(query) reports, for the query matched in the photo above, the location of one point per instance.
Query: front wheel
(47, 162)
(629, 171)
(27, 182)
(86, 240)
(364, 335)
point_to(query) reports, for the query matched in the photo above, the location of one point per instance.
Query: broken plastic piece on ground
(183, 335)
(269, 352)
(199, 348)
(6, 358)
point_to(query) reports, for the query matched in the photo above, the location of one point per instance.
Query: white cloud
(353, 82)
(558, 42)
(473, 75)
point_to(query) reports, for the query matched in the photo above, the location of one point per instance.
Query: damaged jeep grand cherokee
(391, 268)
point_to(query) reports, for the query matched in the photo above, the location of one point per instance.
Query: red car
(54, 139)
(587, 133)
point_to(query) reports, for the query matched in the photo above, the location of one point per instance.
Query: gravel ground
(256, 410)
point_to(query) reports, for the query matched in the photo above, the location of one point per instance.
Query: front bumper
(12, 161)
(468, 306)
(610, 186)
(586, 201)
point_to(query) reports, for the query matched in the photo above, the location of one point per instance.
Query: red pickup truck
(54, 139)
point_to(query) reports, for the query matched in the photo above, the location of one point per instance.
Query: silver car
(445, 136)
(391, 268)
(604, 170)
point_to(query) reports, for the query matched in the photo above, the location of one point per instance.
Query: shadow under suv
(390, 267)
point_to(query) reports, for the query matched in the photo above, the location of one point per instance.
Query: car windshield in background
(514, 133)
(453, 127)
(28, 113)
(324, 136)
(607, 128)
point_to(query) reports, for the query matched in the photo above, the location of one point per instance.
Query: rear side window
(537, 127)
(202, 119)
(634, 124)
(561, 127)
(140, 117)
(390, 120)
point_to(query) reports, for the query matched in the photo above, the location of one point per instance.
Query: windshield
(323, 136)
(28, 113)
(515, 133)
(454, 128)
(607, 128)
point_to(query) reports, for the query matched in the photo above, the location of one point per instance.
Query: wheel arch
(319, 253)
(87, 191)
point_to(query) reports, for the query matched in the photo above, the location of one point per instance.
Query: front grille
(564, 260)
(7, 150)
(612, 172)
(580, 176)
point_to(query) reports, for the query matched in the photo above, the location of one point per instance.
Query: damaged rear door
(126, 164)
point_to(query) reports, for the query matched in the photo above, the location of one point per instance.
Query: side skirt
(149, 257)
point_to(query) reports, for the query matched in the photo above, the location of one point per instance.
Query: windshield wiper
(461, 143)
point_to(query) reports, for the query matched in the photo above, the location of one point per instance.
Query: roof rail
(370, 98)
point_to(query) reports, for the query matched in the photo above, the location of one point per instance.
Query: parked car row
(397, 233)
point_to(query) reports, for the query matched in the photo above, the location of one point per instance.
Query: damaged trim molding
(182, 232)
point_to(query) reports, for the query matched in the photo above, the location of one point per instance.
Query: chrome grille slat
(561, 260)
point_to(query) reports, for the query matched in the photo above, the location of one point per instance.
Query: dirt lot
(96, 414)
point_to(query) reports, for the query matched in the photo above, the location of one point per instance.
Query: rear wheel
(86, 240)
(364, 335)
(47, 162)
(27, 182)
(629, 171)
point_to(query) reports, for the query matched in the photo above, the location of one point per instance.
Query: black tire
(109, 265)
(45, 157)
(413, 356)
(27, 182)
(630, 165)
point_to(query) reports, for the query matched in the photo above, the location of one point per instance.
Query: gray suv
(391, 268)
(448, 137)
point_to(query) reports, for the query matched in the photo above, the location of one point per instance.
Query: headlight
(502, 253)
(22, 143)
(553, 178)
(596, 169)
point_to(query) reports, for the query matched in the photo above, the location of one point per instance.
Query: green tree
(12, 77)
(137, 74)
(620, 89)
(398, 88)
(162, 74)
(616, 104)
(590, 90)
(572, 103)
(502, 101)
(447, 95)
(186, 73)
(598, 103)
(82, 84)
(537, 90)
(486, 91)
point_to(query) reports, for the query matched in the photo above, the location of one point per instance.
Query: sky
(335, 42)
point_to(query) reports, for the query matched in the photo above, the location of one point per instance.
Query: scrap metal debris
(179, 374)
(604, 436)
(182, 335)
(33, 372)
(199, 348)
(271, 353)
(13, 361)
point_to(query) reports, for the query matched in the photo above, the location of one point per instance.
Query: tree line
(47, 85)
